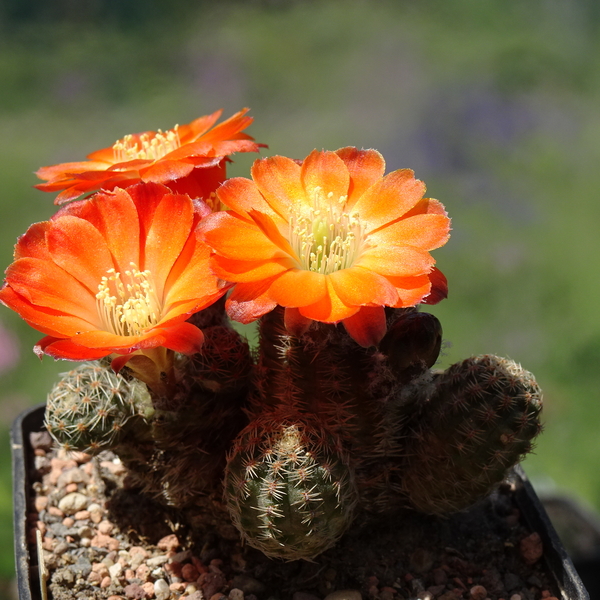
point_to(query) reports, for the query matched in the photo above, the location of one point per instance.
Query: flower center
(146, 146)
(324, 237)
(128, 305)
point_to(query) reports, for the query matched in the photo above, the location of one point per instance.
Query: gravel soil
(102, 540)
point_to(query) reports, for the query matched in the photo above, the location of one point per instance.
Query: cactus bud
(412, 344)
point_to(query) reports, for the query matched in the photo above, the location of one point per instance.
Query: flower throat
(325, 237)
(146, 146)
(128, 305)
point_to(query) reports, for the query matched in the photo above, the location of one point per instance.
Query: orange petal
(46, 320)
(439, 287)
(230, 127)
(73, 192)
(33, 242)
(166, 170)
(411, 290)
(247, 271)
(330, 309)
(115, 216)
(401, 261)
(368, 326)
(327, 171)
(183, 337)
(390, 199)
(79, 248)
(242, 195)
(63, 170)
(278, 180)
(180, 311)
(295, 323)
(146, 197)
(67, 350)
(45, 284)
(234, 237)
(357, 287)
(366, 167)
(423, 231)
(427, 206)
(270, 229)
(171, 226)
(151, 338)
(297, 287)
(190, 277)
(198, 127)
(248, 301)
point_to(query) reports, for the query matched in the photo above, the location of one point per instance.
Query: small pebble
(236, 594)
(105, 527)
(72, 503)
(105, 582)
(56, 511)
(169, 542)
(143, 572)
(161, 589)
(531, 548)
(116, 570)
(157, 561)
(82, 515)
(135, 591)
(148, 587)
(61, 548)
(41, 502)
(189, 572)
(94, 578)
(478, 592)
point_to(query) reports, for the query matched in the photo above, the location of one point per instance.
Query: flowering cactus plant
(337, 413)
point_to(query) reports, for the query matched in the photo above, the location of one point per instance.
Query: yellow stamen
(128, 307)
(325, 237)
(147, 146)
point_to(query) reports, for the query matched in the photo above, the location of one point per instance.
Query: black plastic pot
(558, 563)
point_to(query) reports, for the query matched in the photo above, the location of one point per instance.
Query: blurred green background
(495, 105)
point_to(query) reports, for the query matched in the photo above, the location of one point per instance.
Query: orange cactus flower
(189, 159)
(331, 240)
(116, 274)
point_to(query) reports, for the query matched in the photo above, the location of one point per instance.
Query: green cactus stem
(478, 421)
(289, 487)
(92, 408)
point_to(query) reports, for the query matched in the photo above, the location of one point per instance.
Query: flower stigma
(324, 236)
(146, 146)
(129, 305)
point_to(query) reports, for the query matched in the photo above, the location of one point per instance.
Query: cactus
(289, 487)
(478, 421)
(92, 408)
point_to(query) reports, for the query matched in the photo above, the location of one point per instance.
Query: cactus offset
(289, 486)
(478, 421)
(91, 408)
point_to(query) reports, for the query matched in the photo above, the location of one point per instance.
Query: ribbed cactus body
(289, 487)
(91, 408)
(478, 422)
